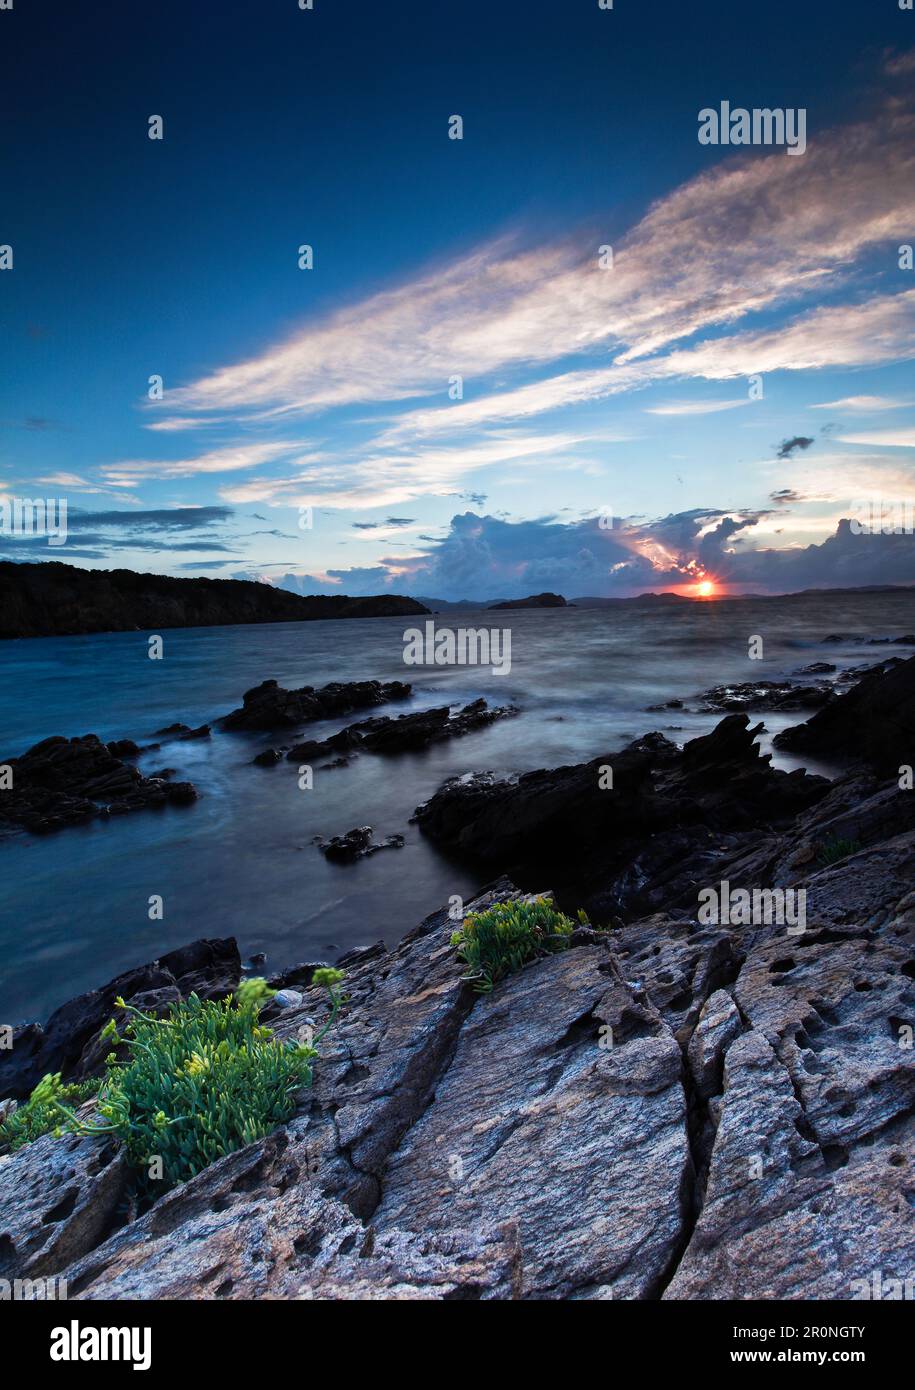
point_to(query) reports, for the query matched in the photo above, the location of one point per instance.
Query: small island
(533, 601)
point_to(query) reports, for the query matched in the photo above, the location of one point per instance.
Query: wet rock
(608, 849)
(269, 706)
(183, 733)
(61, 782)
(405, 733)
(872, 723)
(766, 695)
(123, 748)
(817, 668)
(356, 844)
(268, 758)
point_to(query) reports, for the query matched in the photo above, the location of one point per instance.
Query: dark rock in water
(268, 758)
(123, 748)
(269, 706)
(907, 641)
(766, 695)
(183, 732)
(872, 723)
(817, 668)
(356, 844)
(855, 673)
(64, 781)
(568, 825)
(668, 704)
(209, 968)
(405, 733)
(546, 600)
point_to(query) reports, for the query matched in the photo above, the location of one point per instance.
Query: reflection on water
(241, 861)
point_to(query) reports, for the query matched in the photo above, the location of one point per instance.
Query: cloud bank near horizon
(486, 557)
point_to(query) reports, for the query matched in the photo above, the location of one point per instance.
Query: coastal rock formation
(356, 844)
(50, 599)
(872, 723)
(269, 706)
(402, 734)
(612, 846)
(766, 695)
(63, 781)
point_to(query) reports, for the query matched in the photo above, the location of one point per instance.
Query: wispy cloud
(225, 460)
(902, 438)
(863, 404)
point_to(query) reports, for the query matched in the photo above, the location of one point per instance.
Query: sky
(464, 396)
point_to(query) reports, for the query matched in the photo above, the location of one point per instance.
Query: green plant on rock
(503, 938)
(41, 1113)
(204, 1080)
(835, 848)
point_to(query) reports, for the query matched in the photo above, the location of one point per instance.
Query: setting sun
(706, 588)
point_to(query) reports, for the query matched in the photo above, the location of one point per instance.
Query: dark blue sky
(329, 127)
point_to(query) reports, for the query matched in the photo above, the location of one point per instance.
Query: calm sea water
(74, 906)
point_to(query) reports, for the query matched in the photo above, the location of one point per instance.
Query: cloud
(695, 407)
(387, 479)
(486, 557)
(791, 446)
(863, 403)
(103, 535)
(903, 438)
(391, 521)
(229, 459)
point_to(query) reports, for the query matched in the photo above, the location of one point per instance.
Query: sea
(242, 861)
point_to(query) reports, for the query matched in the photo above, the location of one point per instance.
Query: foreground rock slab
(58, 1200)
(538, 1120)
(255, 1225)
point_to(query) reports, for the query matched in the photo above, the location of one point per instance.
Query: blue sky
(587, 392)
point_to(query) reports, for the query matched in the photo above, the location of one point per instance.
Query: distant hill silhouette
(52, 599)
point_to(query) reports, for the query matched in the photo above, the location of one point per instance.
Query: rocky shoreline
(676, 1107)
